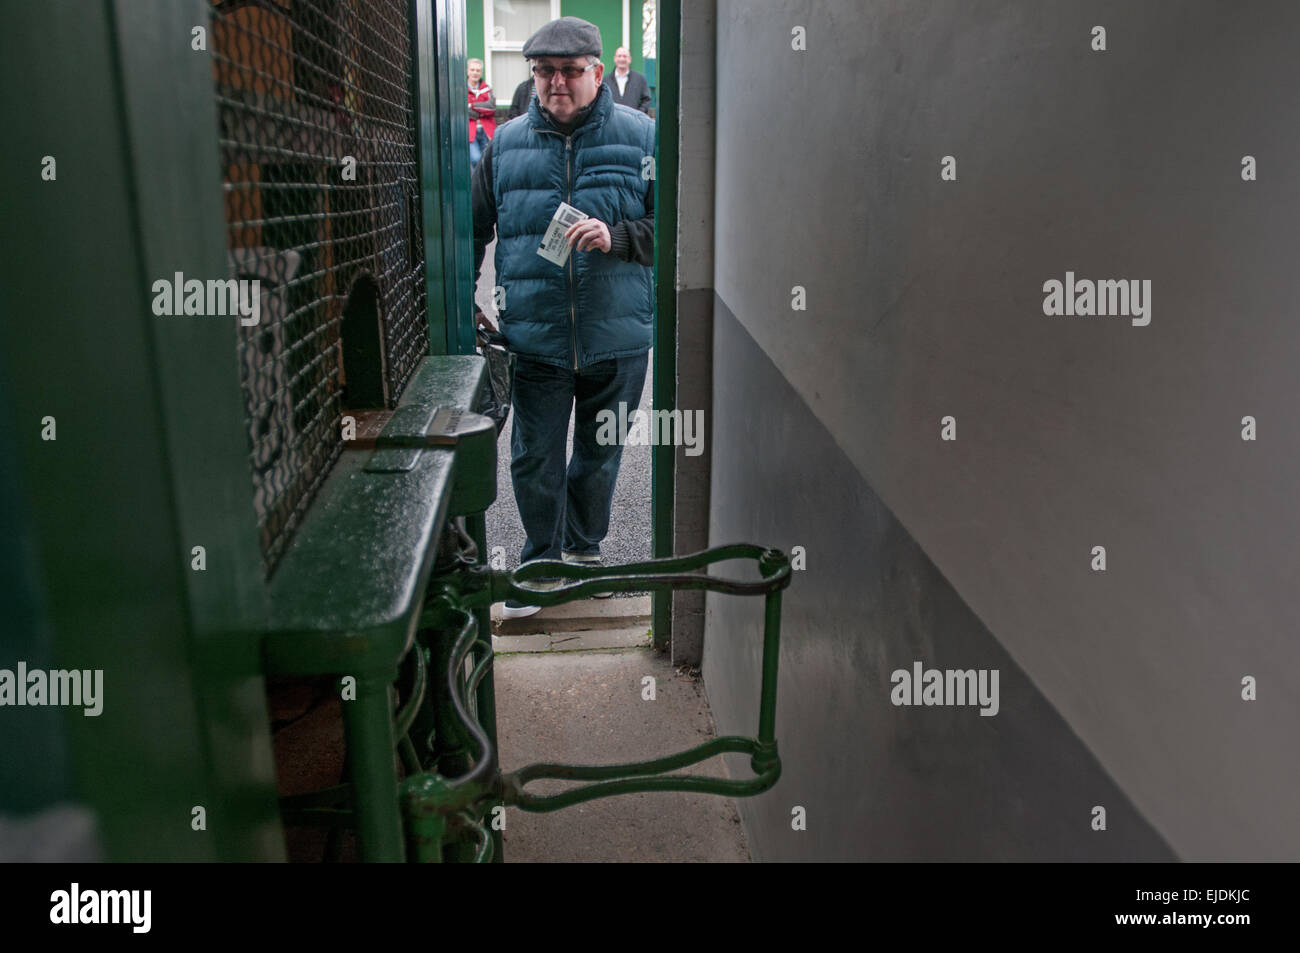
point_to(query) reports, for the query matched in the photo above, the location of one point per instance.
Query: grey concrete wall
(877, 781)
(694, 308)
(925, 299)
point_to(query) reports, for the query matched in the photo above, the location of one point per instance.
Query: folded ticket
(554, 247)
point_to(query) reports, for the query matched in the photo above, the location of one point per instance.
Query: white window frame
(490, 47)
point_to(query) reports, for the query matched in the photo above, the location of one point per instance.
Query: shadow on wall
(878, 781)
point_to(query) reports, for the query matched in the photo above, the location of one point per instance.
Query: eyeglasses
(571, 73)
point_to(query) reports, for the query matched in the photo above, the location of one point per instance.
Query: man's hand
(483, 321)
(588, 234)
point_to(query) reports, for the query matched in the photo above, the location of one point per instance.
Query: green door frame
(441, 84)
(442, 52)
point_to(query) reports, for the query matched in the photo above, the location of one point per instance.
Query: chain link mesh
(319, 160)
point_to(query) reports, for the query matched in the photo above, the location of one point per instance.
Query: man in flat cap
(581, 330)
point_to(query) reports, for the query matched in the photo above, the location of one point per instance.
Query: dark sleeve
(634, 239)
(519, 104)
(484, 208)
(644, 103)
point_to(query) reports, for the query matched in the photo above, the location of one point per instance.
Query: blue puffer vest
(596, 306)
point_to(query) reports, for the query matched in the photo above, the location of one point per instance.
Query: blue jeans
(567, 510)
(477, 145)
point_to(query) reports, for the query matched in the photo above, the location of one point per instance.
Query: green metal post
(368, 730)
(426, 827)
(663, 457)
(457, 235)
(431, 132)
(442, 87)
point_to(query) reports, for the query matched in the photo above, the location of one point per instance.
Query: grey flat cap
(567, 36)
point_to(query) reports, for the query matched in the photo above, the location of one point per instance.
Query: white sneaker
(590, 559)
(514, 609)
(518, 610)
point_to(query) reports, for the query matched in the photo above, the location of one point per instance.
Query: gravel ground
(629, 525)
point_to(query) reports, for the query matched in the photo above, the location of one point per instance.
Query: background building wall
(606, 14)
(474, 43)
(924, 300)
(608, 17)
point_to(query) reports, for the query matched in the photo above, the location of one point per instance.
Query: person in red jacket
(482, 112)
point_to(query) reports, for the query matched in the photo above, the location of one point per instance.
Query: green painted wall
(608, 17)
(475, 48)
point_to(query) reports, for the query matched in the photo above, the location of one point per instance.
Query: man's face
(475, 73)
(622, 59)
(565, 97)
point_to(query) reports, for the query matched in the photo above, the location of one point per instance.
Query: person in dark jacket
(519, 104)
(580, 332)
(628, 86)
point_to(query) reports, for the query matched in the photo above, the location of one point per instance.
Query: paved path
(587, 708)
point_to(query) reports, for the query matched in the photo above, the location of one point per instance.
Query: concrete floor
(586, 707)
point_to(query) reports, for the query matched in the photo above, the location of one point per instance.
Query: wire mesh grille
(319, 155)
